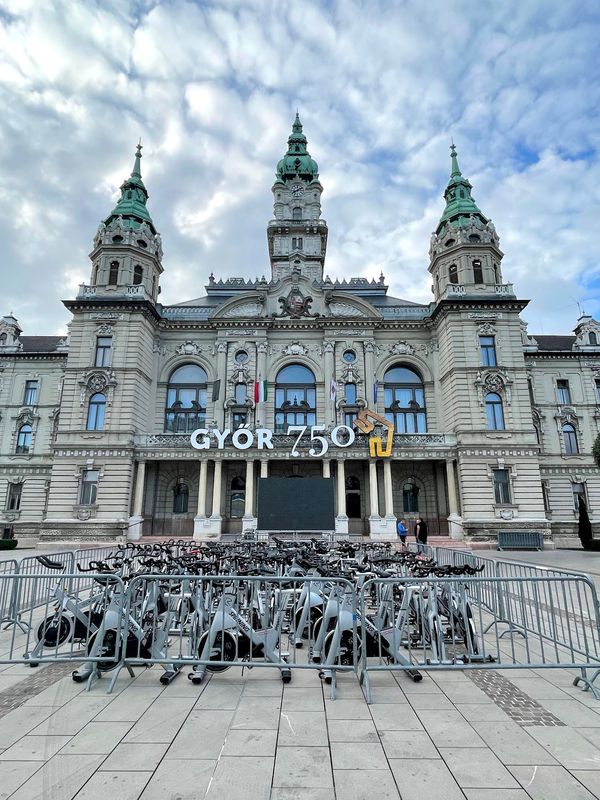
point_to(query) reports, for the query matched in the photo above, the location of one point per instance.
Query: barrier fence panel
(66, 626)
(212, 623)
(7, 598)
(446, 623)
(33, 594)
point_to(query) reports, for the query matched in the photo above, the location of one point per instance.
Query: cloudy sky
(381, 85)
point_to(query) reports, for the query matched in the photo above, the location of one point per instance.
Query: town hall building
(166, 420)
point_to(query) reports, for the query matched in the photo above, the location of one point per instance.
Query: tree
(596, 451)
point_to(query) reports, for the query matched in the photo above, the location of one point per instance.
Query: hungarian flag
(375, 390)
(260, 391)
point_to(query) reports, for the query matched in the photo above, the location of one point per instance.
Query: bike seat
(48, 563)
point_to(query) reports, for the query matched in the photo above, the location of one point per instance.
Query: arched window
(296, 212)
(353, 506)
(113, 273)
(494, 412)
(186, 399)
(410, 497)
(405, 400)
(238, 497)
(592, 338)
(295, 397)
(181, 494)
(453, 273)
(96, 411)
(24, 439)
(241, 393)
(477, 271)
(138, 275)
(570, 439)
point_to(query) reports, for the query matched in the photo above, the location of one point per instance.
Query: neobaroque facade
(492, 427)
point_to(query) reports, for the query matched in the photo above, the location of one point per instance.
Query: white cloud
(212, 88)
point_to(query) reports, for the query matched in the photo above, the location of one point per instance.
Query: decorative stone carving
(105, 329)
(328, 346)
(188, 348)
(221, 347)
(240, 374)
(345, 310)
(244, 310)
(401, 349)
(261, 347)
(97, 382)
(486, 329)
(295, 349)
(495, 381)
(295, 305)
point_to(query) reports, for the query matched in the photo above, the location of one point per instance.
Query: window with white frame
(569, 435)
(488, 351)
(578, 494)
(24, 439)
(563, 393)
(103, 351)
(493, 412)
(501, 481)
(13, 496)
(96, 412)
(30, 395)
(89, 487)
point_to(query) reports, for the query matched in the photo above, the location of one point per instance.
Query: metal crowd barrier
(447, 623)
(7, 567)
(67, 625)
(211, 623)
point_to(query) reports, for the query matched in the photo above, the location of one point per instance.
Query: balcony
(504, 289)
(455, 290)
(89, 292)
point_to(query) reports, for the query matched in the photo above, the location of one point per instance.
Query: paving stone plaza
(479, 734)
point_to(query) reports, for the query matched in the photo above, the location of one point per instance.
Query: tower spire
(460, 206)
(134, 195)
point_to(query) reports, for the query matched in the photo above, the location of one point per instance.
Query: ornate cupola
(297, 235)
(127, 254)
(465, 255)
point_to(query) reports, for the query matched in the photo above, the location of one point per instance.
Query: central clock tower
(297, 235)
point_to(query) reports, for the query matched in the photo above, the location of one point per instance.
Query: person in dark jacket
(421, 534)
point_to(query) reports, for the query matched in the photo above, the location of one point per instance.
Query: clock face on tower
(297, 190)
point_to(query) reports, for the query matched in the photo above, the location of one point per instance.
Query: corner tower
(465, 255)
(297, 235)
(127, 254)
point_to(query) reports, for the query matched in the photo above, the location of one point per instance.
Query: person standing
(421, 534)
(402, 531)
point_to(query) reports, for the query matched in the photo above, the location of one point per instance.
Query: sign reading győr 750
(262, 438)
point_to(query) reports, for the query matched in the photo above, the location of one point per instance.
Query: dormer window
(474, 238)
(449, 242)
(593, 339)
(141, 243)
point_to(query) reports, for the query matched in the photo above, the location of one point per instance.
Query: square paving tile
(129, 757)
(121, 785)
(97, 738)
(73, 716)
(394, 717)
(418, 779)
(202, 735)
(449, 729)
(513, 744)
(303, 698)
(257, 713)
(415, 744)
(304, 794)
(477, 768)
(546, 783)
(184, 780)
(250, 743)
(34, 748)
(237, 776)
(354, 785)
(358, 755)
(161, 721)
(59, 778)
(347, 709)
(358, 730)
(567, 746)
(302, 729)
(130, 704)
(308, 767)
(14, 774)
(220, 696)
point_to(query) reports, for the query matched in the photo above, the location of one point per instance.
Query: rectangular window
(89, 487)
(13, 500)
(488, 351)
(31, 393)
(501, 486)
(563, 393)
(578, 492)
(103, 351)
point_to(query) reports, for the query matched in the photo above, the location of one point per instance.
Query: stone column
(136, 521)
(260, 415)
(341, 521)
(222, 376)
(328, 351)
(454, 518)
(369, 347)
(200, 518)
(387, 489)
(264, 468)
(373, 490)
(212, 525)
(326, 468)
(249, 520)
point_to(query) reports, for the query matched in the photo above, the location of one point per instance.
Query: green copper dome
(460, 206)
(132, 204)
(297, 160)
